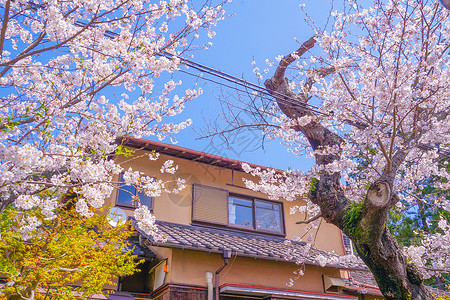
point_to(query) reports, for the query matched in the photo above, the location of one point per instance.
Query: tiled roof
(356, 288)
(362, 282)
(213, 240)
(139, 249)
(363, 277)
(241, 244)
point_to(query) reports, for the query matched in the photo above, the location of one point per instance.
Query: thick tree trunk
(395, 277)
(364, 223)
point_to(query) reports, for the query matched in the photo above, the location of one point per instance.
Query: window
(255, 214)
(218, 206)
(128, 192)
(268, 216)
(240, 212)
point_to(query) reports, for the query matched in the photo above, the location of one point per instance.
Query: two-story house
(224, 241)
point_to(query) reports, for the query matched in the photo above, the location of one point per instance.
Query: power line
(263, 89)
(231, 78)
(214, 72)
(235, 88)
(240, 81)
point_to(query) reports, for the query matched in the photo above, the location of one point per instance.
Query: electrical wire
(234, 88)
(262, 90)
(285, 99)
(239, 81)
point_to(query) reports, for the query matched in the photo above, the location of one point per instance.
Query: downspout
(226, 256)
(209, 283)
(119, 283)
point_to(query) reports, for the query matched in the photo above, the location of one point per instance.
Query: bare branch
(310, 219)
(396, 161)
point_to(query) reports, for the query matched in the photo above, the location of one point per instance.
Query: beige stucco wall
(177, 208)
(371, 297)
(190, 267)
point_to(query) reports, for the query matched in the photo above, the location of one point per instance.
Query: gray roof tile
(242, 244)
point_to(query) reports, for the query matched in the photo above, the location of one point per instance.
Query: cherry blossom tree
(381, 131)
(77, 75)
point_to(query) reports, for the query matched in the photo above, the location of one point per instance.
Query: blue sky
(258, 30)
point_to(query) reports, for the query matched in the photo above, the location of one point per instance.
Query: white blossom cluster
(77, 75)
(307, 254)
(152, 186)
(146, 223)
(289, 185)
(28, 224)
(433, 256)
(391, 81)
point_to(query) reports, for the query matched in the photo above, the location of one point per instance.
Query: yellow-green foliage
(313, 184)
(66, 258)
(352, 217)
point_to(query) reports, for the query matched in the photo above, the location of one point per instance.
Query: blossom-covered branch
(75, 77)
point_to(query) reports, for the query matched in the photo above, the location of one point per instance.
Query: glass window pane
(241, 212)
(145, 200)
(126, 194)
(268, 216)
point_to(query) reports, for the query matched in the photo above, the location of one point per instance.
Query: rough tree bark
(364, 223)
